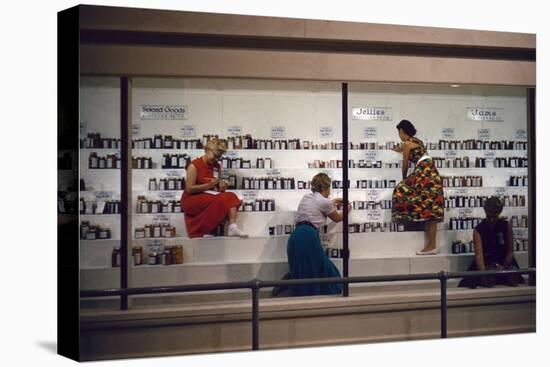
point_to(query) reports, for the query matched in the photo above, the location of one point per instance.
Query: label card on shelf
(167, 195)
(161, 218)
(465, 212)
(450, 154)
(326, 132)
(501, 191)
(83, 130)
(371, 155)
(520, 233)
(373, 195)
(375, 215)
(234, 130)
(521, 134)
(485, 114)
(136, 130)
(484, 134)
(277, 132)
(103, 195)
(372, 113)
(273, 172)
(370, 132)
(174, 174)
(188, 131)
(154, 246)
(448, 133)
(460, 191)
(230, 154)
(249, 195)
(490, 154)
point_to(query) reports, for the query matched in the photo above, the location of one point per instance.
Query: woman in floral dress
(419, 197)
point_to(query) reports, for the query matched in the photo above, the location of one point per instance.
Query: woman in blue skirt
(306, 257)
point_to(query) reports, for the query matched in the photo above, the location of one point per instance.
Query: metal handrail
(256, 284)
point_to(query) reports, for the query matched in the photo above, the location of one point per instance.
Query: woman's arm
(509, 247)
(478, 248)
(337, 216)
(406, 150)
(191, 180)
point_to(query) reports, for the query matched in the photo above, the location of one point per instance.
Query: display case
(279, 135)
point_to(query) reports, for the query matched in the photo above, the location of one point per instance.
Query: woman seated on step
(494, 248)
(306, 257)
(205, 202)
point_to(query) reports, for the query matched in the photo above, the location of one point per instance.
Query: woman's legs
(430, 231)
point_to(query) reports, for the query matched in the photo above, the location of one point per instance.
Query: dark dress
(307, 259)
(419, 197)
(494, 239)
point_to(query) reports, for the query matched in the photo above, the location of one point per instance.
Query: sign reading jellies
(372, 113)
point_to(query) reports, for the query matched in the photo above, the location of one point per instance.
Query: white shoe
(208, 235)
(234, 231)
(435, 251)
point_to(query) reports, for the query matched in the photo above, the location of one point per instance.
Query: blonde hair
(218, 146)
(320, 182)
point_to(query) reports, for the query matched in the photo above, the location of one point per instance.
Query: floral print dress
(419, 197)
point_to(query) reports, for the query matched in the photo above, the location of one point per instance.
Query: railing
(255, 285)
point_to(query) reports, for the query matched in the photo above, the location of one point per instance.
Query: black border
(68, 276)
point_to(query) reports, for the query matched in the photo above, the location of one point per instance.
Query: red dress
(202, 211)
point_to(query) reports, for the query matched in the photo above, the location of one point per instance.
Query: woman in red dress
(205, 202)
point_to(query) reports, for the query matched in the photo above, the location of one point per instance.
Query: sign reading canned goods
(188, 131)
(448, 132)
(277, 131)
(372, 113)
(485, 114)
(326, 132)
(370, 132)
(163, 112)
(234, 130)
(521, 134)
(483, 133)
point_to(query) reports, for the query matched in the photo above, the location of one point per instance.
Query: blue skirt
(307, 259)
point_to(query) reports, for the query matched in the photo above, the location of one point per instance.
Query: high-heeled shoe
(435, 251)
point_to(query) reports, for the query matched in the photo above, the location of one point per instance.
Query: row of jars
(95, 141)
(159, 230)
(460, 201)
(166, 142)
(99, 162)
(175, 161)
(167, 256)
(462, 181)
(93, 232)
(368, 205)
(258, 205)
(100, 207)
(268, 183)
(171, 183)
(240, 163)
(518, 181)
(473, 144)
(144, 206)
(464, 223)
(376, 227)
